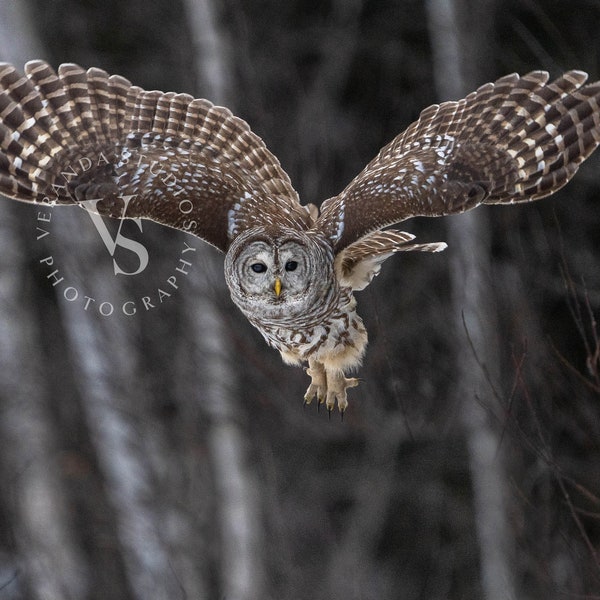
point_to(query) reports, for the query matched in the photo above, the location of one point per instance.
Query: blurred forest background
(167, 454)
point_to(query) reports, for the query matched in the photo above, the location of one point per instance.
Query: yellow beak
(277, 286)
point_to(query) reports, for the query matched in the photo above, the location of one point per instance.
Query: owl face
(277, 277)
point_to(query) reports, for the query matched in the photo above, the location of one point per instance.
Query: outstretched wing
(84, 136)
(515, 140)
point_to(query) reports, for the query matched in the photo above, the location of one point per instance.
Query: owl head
(278, 276)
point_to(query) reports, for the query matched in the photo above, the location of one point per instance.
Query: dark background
(168, 455)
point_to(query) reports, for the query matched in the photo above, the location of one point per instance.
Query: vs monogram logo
(150, 295)
(119, 240)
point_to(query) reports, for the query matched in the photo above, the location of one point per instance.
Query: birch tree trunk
(44, 564)
(241, 563)
(454, 43)
(112, 395)
(49, 565)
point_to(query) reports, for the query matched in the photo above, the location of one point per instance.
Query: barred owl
(290, 268)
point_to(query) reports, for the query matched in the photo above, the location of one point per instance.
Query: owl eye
(291, 265)
(258, 267)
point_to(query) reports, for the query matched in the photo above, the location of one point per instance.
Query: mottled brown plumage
(77, 135)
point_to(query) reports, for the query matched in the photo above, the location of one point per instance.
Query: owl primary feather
(291, 269)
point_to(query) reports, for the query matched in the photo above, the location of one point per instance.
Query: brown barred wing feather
(515, 140)
(77, 136)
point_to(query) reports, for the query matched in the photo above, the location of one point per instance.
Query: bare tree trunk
(104, 360)
(453, 45)
(112, 396)
(336, 51)
(242, 561)
(351, 566)
(18, 42)
(49, 566)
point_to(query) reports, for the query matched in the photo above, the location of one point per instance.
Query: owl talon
(312, 392)
(318, 384)
(329, 387)
(337, 384)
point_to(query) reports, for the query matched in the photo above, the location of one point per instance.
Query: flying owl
(77, 136)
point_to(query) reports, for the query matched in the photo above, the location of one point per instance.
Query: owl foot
(337, 384)
(318, 384)
(329, 386)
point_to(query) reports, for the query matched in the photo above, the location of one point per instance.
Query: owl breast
(338, 339)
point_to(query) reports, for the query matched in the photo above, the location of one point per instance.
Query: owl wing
(515, 140)
(358, 263)
(83, 136)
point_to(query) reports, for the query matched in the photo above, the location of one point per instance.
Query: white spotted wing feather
(74, 135)
(518, 139)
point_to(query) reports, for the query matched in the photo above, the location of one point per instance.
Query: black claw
(329, 414)
(342, 415)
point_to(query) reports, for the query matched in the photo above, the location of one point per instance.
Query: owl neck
(333, 300)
